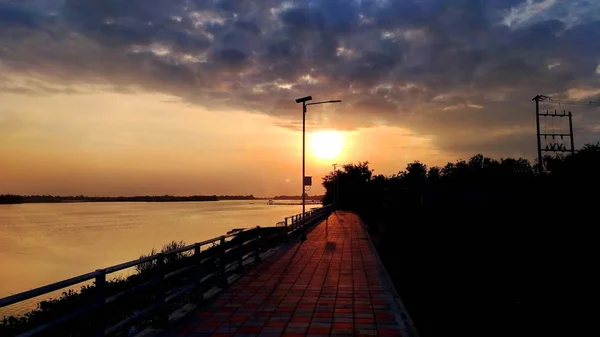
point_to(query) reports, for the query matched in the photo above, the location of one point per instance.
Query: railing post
(198, 261)
(259, 243)
(100, 290)
(223, 263)
(240, 254)
(162, 317)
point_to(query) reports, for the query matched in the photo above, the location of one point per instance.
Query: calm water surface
(45, 243)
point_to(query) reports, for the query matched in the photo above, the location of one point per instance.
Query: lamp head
(304, 99)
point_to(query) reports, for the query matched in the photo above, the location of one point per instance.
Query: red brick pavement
(324, 286)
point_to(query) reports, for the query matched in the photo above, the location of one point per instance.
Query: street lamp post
(335, 183)
(303, 100)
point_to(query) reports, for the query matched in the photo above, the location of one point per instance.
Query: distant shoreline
(43, 199)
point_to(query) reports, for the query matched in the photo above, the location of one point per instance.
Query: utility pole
(571, 132)
(553, 145)
(537, 124)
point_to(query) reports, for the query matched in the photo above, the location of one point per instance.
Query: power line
(548, 99)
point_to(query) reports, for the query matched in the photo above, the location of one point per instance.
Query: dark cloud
(11, 14)
(229, 57)
(443, 68)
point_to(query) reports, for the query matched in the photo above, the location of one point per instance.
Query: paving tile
(249, 329)
(204, 330)
(361, 326)
(311, 290)
(389, 333)
(290, 330)
(238, 318)
(342, 332)
(319, 330)
(226, 329)
(303, 325)
(342, 315)
(297, 319)
(340, 325)
(256, 321)
(272, 330)
(276, 323)
(300, 313)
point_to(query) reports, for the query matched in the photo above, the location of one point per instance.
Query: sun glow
(326, 144)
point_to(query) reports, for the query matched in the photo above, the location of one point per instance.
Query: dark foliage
(298, 197)
(83, 198)
(236, 197)
(11, 199)
(482, 246)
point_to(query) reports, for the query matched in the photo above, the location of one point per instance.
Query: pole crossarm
(325, 102)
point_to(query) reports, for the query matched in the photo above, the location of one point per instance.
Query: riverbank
(24, 199)
(30, 199)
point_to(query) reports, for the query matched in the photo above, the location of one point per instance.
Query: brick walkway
(324, 286)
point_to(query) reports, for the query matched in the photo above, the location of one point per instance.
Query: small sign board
(307, 181)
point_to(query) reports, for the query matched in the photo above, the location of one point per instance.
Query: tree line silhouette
(298, 197)
(482, 246)
(20, 199)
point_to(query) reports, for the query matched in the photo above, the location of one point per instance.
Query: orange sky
(112, 144)
(197, 97)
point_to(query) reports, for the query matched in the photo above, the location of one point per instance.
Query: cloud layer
(461, 71)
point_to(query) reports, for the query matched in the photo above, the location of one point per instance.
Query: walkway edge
(182, 312)
(411, 330)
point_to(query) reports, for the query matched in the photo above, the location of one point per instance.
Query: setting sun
(326, 144)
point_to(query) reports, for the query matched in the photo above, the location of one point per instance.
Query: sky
(136, 97)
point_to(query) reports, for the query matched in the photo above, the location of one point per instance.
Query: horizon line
(156, 195)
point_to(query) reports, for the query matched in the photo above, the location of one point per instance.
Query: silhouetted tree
(481, 238)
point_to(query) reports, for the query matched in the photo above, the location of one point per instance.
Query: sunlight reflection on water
(45, 243)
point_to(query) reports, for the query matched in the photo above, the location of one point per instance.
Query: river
(45, 243)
